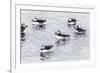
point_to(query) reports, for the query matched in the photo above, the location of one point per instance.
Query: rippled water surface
(75, 48)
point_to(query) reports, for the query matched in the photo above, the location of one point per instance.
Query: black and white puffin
(36, 21)
(46, 48)
(79, 29)
(61, 36)
(71, 21)
(23, 28)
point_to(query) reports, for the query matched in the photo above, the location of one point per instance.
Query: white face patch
(69, 19)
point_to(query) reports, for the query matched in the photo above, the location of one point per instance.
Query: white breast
(59, 37)
(25, 31)
(71, 23)
(79, 31)
(35, 23)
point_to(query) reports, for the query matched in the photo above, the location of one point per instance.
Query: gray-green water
(76, 48)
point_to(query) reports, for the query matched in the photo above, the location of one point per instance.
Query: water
(76, 48)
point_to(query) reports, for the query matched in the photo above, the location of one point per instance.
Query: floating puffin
(23, 28)
(71, 21)
(79, 29)
(46, 48)
(60, 36)
(38, 22)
